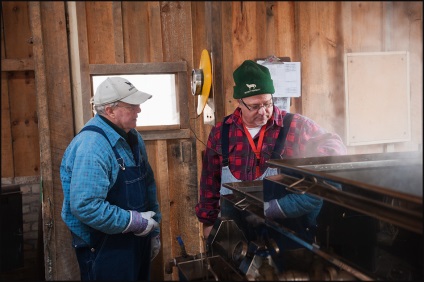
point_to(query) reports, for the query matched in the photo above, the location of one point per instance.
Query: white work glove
(155, 247)
(141, 223)
(273, 210)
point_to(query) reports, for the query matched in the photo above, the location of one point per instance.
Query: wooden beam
(17, 64)
(138, 68)
(44, 131)
(118, 32)
(162, 182)
(165, 134)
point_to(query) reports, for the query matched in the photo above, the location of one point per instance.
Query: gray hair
(100, 109)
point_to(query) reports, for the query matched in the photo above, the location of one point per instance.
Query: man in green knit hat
(239, 147)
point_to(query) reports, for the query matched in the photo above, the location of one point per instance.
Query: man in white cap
(110, 203)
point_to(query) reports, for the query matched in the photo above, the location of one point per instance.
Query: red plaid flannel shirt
(305, 138)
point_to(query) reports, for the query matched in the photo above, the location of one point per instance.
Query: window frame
(179, 69)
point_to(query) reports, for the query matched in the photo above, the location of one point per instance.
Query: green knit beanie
(252, 79)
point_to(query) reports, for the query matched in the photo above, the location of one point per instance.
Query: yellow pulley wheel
(206, 69)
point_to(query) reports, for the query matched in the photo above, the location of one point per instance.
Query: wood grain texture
(45, 152)
(7, 169)
(83, 70)
(118, 32)
(320, 64)
(136, 24)
(24, 124)
(100, 32)
(17, 65)
(54, 103)
(8, 166)
(16, 28)
(158, 158)
(177, 45)
(403, 32)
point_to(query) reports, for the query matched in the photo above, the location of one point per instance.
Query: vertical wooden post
(44, 135)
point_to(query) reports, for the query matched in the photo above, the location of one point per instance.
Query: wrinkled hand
(155, 247)
(141, 223)
(273, 210)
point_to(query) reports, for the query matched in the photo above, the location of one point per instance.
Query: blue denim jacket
(88, 171)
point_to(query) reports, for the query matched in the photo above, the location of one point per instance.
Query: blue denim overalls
(124, 257)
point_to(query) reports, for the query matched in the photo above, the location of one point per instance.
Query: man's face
(256, 110)
(125, 115)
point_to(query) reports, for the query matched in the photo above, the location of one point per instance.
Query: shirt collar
(119, 130)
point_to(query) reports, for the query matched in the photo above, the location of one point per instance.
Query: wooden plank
(76, 64)
(244, 40)
(161, 176)
(263, 30)
(176, 21)
(100, 32)
(405, 33)
(227, 65)
(321, 66)
(6, 131)
(55, 101)
(24, 123)
(168, 134)
(286, 43)
(138, 68)
(155, 31)
(84, 61)
(118, 32)
(183, 99)
(183, 195)
(136, 37)
(17, 29)
(17, 64)
(7, 168)
(217, 56)
(45, 153)
(367, 36)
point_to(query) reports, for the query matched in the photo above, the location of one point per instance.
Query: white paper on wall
(286, 77)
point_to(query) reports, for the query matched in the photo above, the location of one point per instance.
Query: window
(162, 108)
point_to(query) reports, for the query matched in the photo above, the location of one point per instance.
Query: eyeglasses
(130, 107)
(256, 107)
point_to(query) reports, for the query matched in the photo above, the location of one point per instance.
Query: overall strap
(281, 139)
(224, 141)
(99, 130)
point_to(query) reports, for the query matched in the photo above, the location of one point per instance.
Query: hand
(273, 210)
(155, 247)
(141, 223)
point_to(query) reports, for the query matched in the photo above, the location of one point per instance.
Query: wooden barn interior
(50, 51)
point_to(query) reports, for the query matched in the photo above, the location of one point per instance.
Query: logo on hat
(130, 84)
(252, 88)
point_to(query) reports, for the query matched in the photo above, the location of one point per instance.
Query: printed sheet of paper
(286, 77)
(283, 103)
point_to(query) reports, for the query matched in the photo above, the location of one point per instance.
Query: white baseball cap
(119, 89)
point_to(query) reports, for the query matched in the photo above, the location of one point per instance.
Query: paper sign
(286, 77)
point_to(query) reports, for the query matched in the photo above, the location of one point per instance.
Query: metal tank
(369, 227)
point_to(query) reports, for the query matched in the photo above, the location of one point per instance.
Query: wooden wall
(45, 82)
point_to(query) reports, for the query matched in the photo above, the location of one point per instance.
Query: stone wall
(32, 231)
